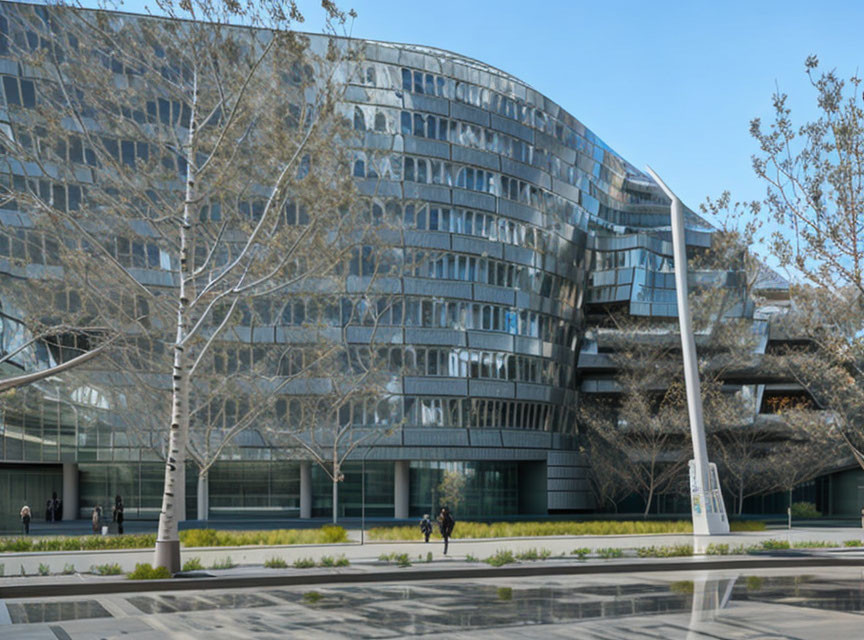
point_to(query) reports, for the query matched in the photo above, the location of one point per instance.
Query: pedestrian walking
(49, 511)
(117, 513)
(97, 519)
(426, 526)
(55, 508)
(25, 519)
(446, 522)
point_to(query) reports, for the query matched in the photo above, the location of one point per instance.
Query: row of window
(429, 171)
(473, 136)
(490, 365)
(413, 312)
(410, 361)
(436, 127)
(488, 100)
(477, 223)
(638, 257)
(451, 266)
(416, 411)
(480, 413)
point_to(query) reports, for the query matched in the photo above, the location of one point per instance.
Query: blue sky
(670, 84)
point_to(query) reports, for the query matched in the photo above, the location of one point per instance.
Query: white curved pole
(706, 501)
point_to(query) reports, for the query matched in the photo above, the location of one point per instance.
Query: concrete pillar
(401, 489)
(203, 496)
(305, 489)
(70, 491)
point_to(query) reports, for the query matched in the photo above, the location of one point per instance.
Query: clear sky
(670, 84)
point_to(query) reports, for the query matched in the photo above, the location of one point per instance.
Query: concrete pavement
(81, 561)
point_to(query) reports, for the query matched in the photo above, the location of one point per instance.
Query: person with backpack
(25, 519)
(446, 522)
(426, 526)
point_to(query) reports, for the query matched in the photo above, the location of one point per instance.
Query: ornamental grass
(562, 528)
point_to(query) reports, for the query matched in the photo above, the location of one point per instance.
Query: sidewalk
(81, 561)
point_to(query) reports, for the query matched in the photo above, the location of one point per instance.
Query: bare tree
(185, 167)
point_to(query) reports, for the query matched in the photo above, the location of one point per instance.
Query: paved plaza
(693, 605)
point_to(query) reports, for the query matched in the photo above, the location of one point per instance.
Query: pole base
(167, 555)
(706, 504)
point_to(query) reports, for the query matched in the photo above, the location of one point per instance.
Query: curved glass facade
(518, 220)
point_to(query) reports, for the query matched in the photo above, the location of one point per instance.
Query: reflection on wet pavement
(680, 605)
(215, 600)
(31, 612)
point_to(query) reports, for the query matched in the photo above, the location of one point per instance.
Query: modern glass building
(526, 223)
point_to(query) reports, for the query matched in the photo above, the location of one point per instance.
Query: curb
(244, 582)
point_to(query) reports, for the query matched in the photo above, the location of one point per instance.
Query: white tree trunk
(168, 536)
(335, 497)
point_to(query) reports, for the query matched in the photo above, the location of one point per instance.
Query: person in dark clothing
(117, 513)
(55, 508)
(49, 511)
(446, 522)
(426, 526)
(25, 519)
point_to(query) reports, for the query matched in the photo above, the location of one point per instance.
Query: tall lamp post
(706, 500)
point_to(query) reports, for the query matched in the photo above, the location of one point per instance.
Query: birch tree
(190, 166)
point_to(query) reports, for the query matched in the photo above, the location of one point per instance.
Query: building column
(204, 496)
(70, 491)
(305, 489)
(401, 489)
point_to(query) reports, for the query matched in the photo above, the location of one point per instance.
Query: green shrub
(342, 561)
(327, 561)
(224, 563)
(669, 551)
(533, 554)
(275, 563)
(68, 569)
(471, 558)
(744, 549)
(501, 557)
(78, 543)
(814, 544)
(214, 538)
(562, 528)
(846, 543)
(400, 559)
(311, 597)
(505, 593)
(112, 569)
(610, 552)
(304, 563)
(193, 564)
(772, 545)
(805, 510)
(717, 549)
(144, 571)
(746, 525)
(428, 557)
(44, 569)
(581, 552)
